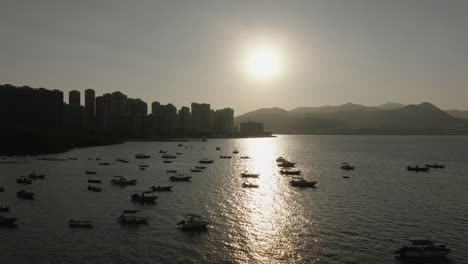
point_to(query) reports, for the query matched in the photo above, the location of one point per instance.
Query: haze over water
(362, 219)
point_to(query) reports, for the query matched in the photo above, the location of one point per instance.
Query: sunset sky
(242, 54)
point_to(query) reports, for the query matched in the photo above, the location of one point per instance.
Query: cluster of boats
(286, 166)
(425, 168)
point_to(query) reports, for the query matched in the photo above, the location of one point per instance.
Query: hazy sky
(332, 52)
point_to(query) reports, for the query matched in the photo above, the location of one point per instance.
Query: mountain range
(389, 118)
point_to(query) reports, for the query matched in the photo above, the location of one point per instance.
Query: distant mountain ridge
(389, 118)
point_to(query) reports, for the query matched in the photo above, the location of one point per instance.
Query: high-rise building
(74, 98)
(90, 107)
(201, 121)
(223, 121)
(184, 121)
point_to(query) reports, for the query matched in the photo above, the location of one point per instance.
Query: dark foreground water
(358, 220)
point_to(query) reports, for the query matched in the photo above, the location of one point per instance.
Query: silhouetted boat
(249, 175)
(200, 167)
(417, 168)
(167, 161)
(299, 182)
(286, 164)
(218, 148)
(34, 175)
(435, 166)
(235, 151)
(89, 172)
(72, 158)
(345, 177)
(104, 163)
(423, 249)
(195, 170)
(168, 156)
(142, 198)
(94, 181)
(290, 172)
(346, 166)
(281, 159)
(23, 180)
(122, 181)
(94, 188)
(180, 178)
(245, 157)
(178, 153)
(132, 217)
(143, 166)
(25, 195)
(193, 222)
(4, 209)
(7, 221)
(206, 161)
(171, 171)
(162, 151)
(249, 185)
(142, 156)
(180, 145)
(161, 188)
(80, 223)
(225, 157)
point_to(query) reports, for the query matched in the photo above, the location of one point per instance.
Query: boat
(4, 209)
(94, 181)
(300, 182)
(142, 156)
(90, 172)
(180, 178)
(235, 151)
(122, 181)
(167, 161)
(94, 188)
(417, 168)
(249, 185)
(124, 161)
(195, 170)
(34, 175)
(280, 159)
(72, 158)
(168, 156)
(80, 223)
(2, 189)
(206, 161)
(23, 180)
(25, 195)
(7, 221)
(161, 188)
(290, 172)
(162, 151)
(225, 157)
(104, 163)
(143, 166)
(346, 166)
(422, 249)
(171, 171)
(200, 167)
(141, 198)
(193, 222)
(131, 217)
(178, 153)
(286, 164)
(435, 166)
(180, 145)
(245, 157)
(345, 177)
(249, 175)
(218, 148)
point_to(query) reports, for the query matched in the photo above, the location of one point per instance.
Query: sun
(263, 62)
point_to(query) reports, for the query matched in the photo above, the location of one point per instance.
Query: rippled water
(358, 220)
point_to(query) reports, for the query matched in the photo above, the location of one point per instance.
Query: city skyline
(313, 52)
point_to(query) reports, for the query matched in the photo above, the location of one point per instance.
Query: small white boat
(193, 222)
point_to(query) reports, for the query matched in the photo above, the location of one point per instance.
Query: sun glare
(263, 62)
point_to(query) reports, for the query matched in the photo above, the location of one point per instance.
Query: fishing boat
(245, 157)
(142, 156)
(104, 163)
(345, 177)
(4, 209)
(286, 164)
(200, 167)
(249, 185)
(161, 188)
(178, 153)
(34, 175)
(94, 181)
(167, 161)
(25, 195)
(168, 156)
(193, 222)
(435, 166)
(225, 157)
(280, 159)
(143, 166)
(180, 178)
(206, 161)
(249, 175)
(80, 223)
(195, 170)
(122, 181)
(218, 148)
(7, 221)
(162, 151)
(132, 217)
(235, 151)
(290, 172)
(171, 171)
(94, 188)
(300, 182)
(23, 180)
(422, 249)
(346, 166)
(142, 198)
(90, 172)
(417, 168)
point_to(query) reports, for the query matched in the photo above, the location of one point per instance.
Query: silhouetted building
(251, 128)
(90, 108)
(74, 98)
(103, 111)
(184, 121)
(201, 118)
(223, 121)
